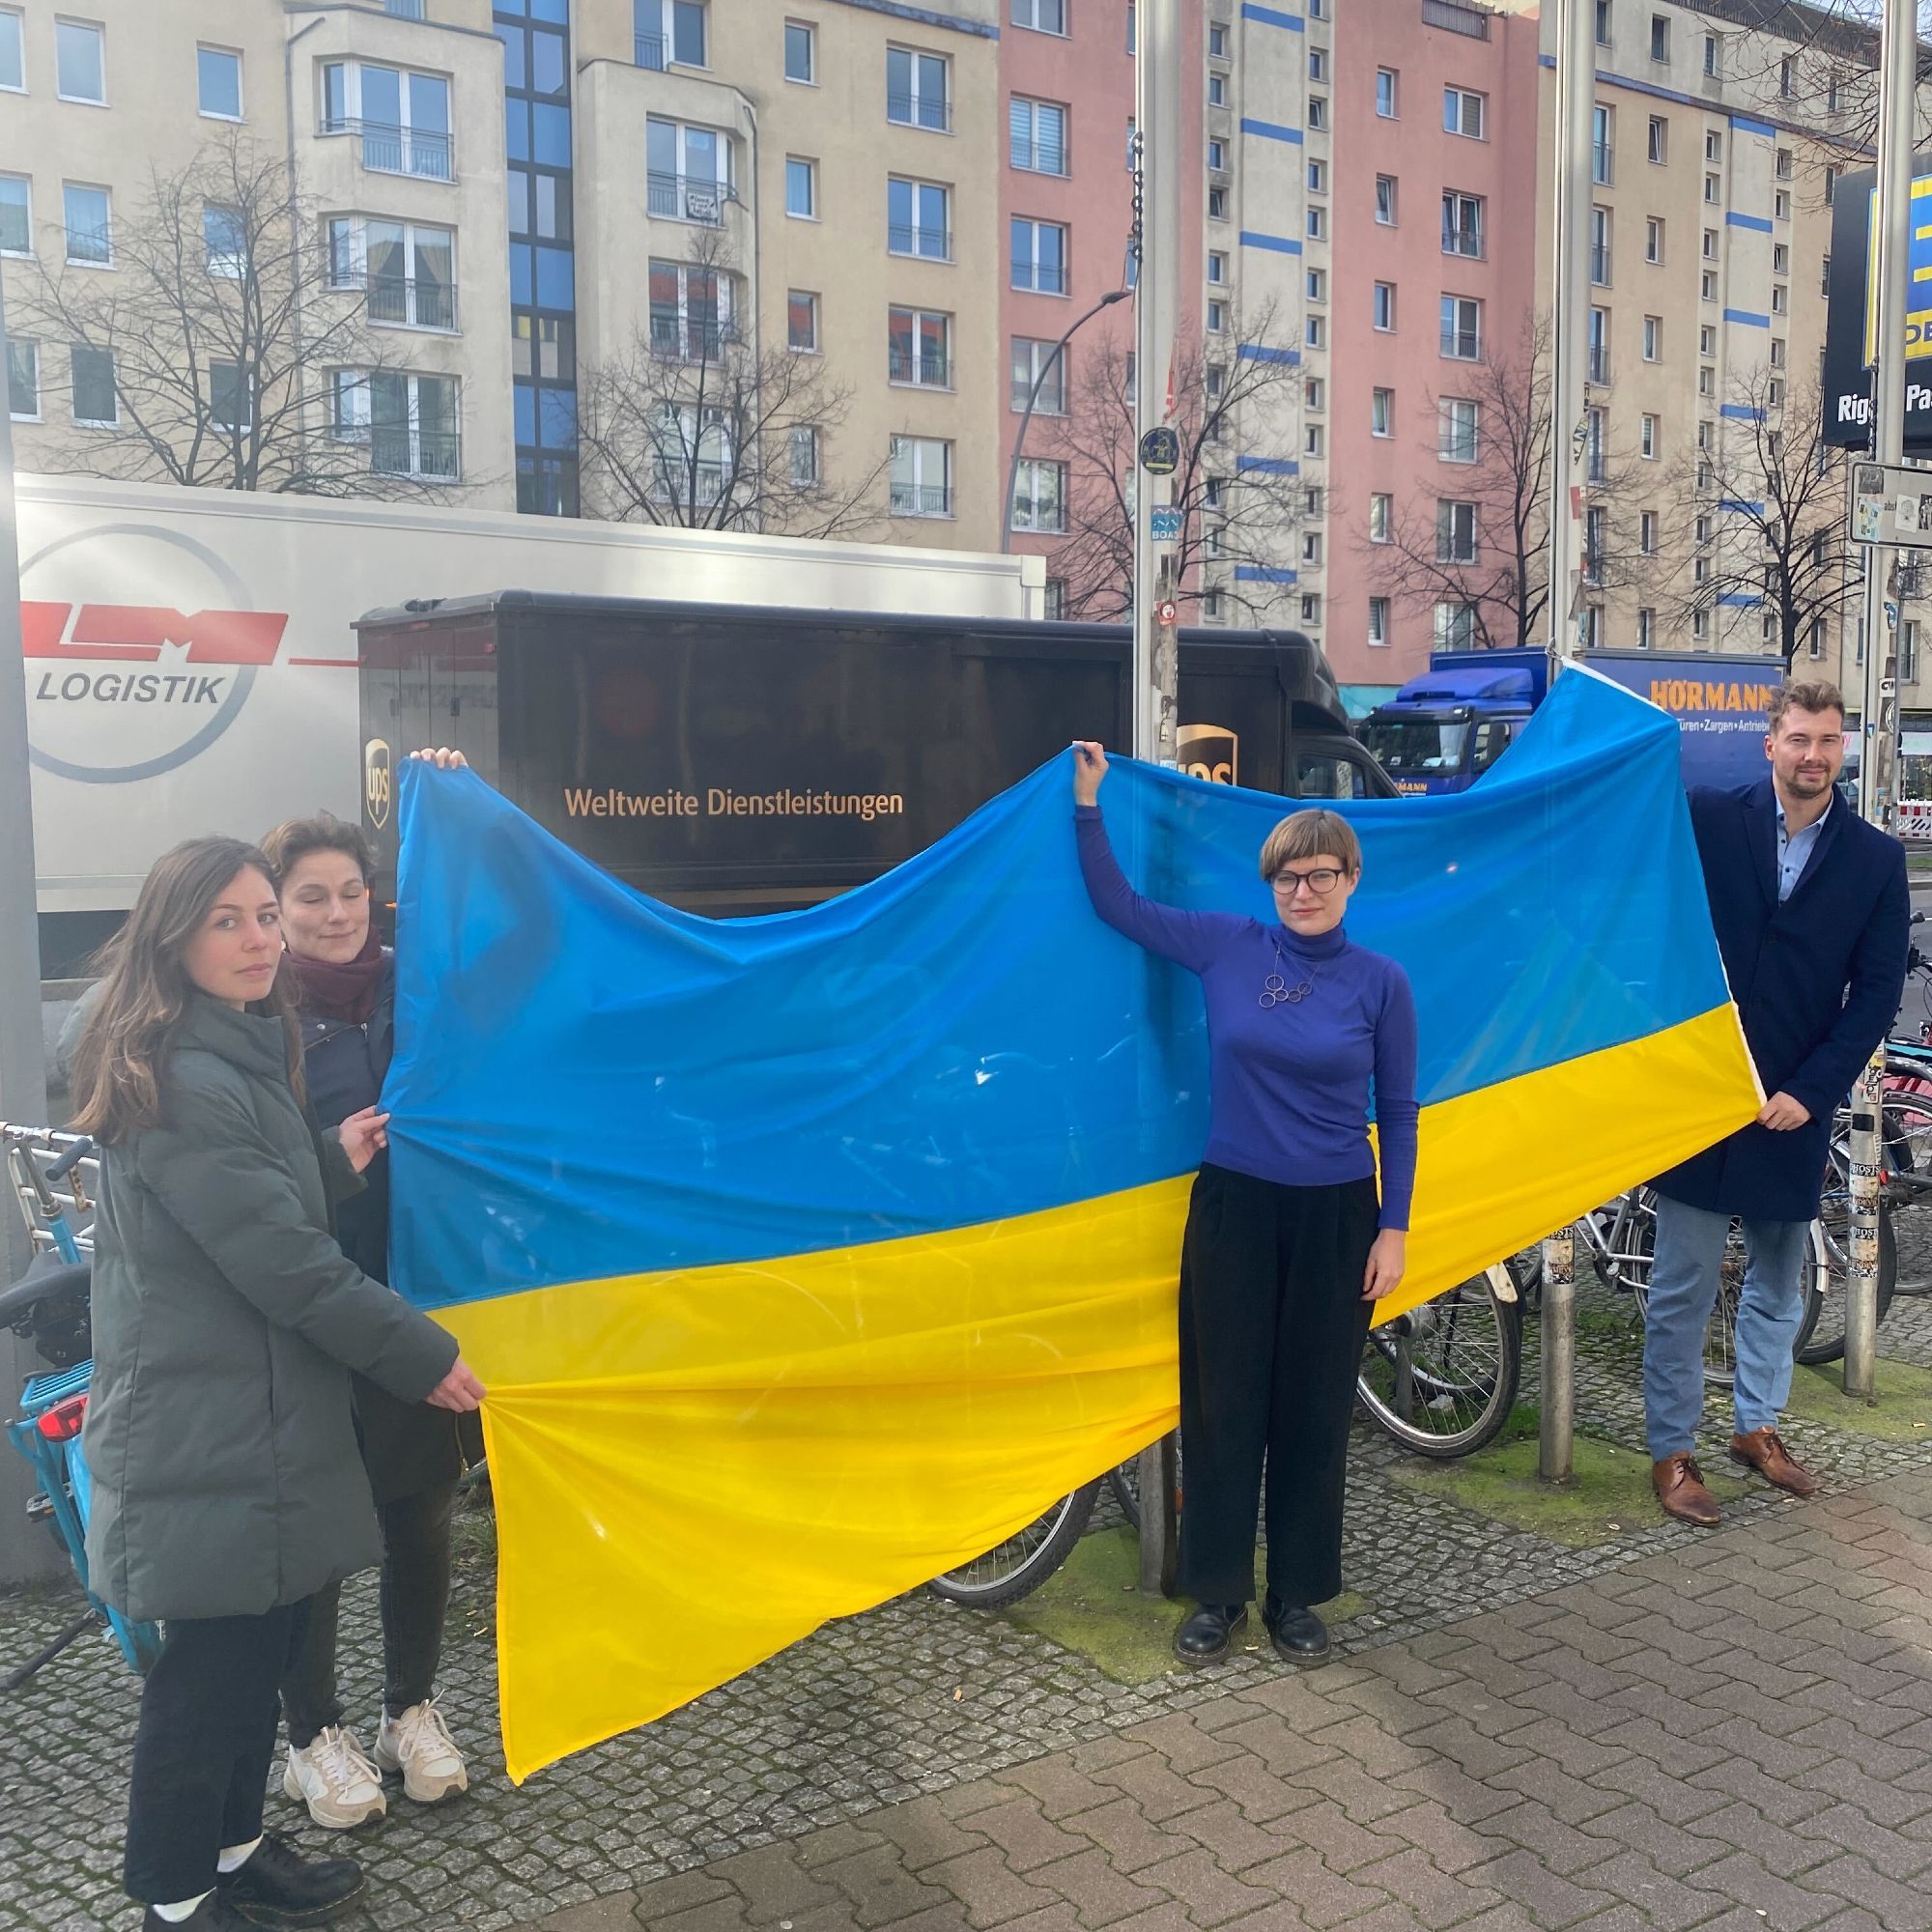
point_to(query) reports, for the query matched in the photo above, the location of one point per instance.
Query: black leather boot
(279, 1886)
(1299, 1634)
(1205, 1636)
(213, 1914)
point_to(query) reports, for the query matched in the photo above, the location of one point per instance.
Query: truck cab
(1444, 729)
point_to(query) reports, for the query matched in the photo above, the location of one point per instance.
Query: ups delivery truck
(733, 760)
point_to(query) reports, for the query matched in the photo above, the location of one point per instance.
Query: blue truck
(1442, 730)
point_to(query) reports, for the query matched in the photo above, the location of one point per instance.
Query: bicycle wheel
(1025, 1560)
(1822, 1338)
(1442, 1379)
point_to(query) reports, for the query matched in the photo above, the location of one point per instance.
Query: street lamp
(1107, 301)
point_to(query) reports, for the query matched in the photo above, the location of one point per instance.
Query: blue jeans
(1684, 1276)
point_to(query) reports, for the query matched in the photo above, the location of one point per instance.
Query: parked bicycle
(51, 1175)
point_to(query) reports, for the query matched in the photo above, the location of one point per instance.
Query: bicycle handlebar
(82, 1146)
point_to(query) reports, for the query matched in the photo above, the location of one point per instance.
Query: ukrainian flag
(807, 1257)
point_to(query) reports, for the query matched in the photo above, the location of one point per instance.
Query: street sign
(1167, 612)
(1160, 451)
(1166, 524)
(1891, 505)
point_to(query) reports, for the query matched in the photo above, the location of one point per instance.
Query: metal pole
(1155, 659)
(1046, 368)
(23, 1083)
(1568, 317)
(1879, 710)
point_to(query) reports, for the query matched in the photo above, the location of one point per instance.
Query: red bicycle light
(63, 1421)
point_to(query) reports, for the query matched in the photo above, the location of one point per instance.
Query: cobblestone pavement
(885, 1723)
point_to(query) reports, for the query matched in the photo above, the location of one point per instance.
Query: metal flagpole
(1569, 314)
(1897, 105)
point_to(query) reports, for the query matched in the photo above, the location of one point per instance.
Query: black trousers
(203, 1747)
(414, 1597)
(1272, 1323)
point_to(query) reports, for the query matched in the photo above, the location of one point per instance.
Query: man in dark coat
(1812, 914)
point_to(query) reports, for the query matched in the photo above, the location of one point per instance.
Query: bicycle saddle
(48, 1279)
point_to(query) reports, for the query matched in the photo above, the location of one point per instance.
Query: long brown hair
(144, 991)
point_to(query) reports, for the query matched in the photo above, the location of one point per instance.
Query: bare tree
(230, 348)
(693, 424)
(1474, 535)
(1761, 518)
(1240, 520)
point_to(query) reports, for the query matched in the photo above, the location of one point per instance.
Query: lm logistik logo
(120, 687)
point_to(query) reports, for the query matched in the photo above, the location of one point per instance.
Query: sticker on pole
(1166, 524)
(1892, 505)
(1160, 451)
(1166, 612)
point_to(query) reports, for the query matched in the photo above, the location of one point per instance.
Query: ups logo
(1208, 751)
(377, 782)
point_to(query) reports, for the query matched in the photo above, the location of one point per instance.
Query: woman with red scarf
(346, 982)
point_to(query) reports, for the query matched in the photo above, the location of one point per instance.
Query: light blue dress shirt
(1794, 848)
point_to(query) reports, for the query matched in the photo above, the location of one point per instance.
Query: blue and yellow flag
(807, 1257)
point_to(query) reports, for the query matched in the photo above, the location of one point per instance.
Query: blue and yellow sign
(1919, 297)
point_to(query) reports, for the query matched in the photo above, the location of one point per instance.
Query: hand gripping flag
(807, 1257)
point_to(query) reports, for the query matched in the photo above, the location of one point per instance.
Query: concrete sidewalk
(1735, 1733)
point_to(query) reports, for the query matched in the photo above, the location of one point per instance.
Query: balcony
(1454, 18)
(649, 50)
(922, 499)
(428, 455)
(680, 481)
(690, 340)
(1041, 279)
(688, 198)
(1599, 369)
(1040, 158)
(405, 301)
(1460, 345)
(929, 245)
(916, 111)
(930, 369)
(399, 150)
(1599, 265)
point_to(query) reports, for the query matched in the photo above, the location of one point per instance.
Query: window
(1646, 538)
(1037, 136)
(919, 89)
(408, 269)
(1658, 144)
(919, 346)
(219, 78)
(1647, 441)
(1710, 244)
(1318, 64)
(1780, 299)
(12, 57)
(1780, 258)
(17, 216)
(1039, 256)
(1311, 548)
(1386, 200)
(1217, 318)
(1660, 36)
(1217, 267)
(1782, 166)
(230, 401)
(1382, 512)
(90, 232)
(801, 320)
(804, 466)
(800, 58)
(1816, 646)
(1603, 23)
(1217, 90)
(1217, 204)
(1318, 111)
(1318, 285)
(1378, 620)
(674, 27)
(1031, 364)
(1599, 339)
(1217, 42)
(1039, 496)
(1599, 247)
(1596, 533)
(1217, 155)
(689, 171)
(1714, 56)
(1784, 74)
(1042, 17)
(1700, 622)
(1317, 224)
(801, 187)
(1780, 206)
(1314, 394)
(1777, 352)
(23, 379)
(1646, 629)
(1455, 627)
(1315, 331)
(1832, 101)
(1775, 399)
(1381, 413)
(402, 118)
(1463, 112)
(1054, 605)
(1825, 276)
(691, 310)
(1312, 439)
(1603, 145)
(1713, 189)
(1653, 338)
(1455, 533)
(1707, 286)
(94, 402)
(1317, 177)
(921, 476)
(1456, 419)
(1461, 224)
(917, 220)
(224, 241)
(1381, 307)
(1385, 91)
(80, 62)
(1703, 435)
(1311, 607)
(1653, 238)
(1461, 329)
(1596, 445)
(1714, 144)
(410, 423)
(1707, 382)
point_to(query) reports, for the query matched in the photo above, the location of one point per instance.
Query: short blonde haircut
(1307, 834)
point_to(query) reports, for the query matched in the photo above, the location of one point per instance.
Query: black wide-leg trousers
(1272, 1323)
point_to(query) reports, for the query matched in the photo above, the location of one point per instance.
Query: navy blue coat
(1817, 980)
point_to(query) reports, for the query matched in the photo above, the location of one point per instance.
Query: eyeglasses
(1322, 881)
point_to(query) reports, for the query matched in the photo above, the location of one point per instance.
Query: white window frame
(240, 97)
(1032, 9)
(1647, 448)
(810, 78)
(1037, 226)
(1382, 516)
(810, 166)
(1381, 413)
(725, 286)
(1217, 89)
(19, 21)
(74, 261)
(1217, 268)
(1652, 240)
(1388, 93)
(1378, 620)
(811, 475)
(1037, 349)
(917, 229)
(1458, 434)
(811, 298)
(359, 426)
(99, 29)
(232, 267)
(1217, 317)
(1034, 148)
(915, 99)
(1456, 331)
(356, 275)
(1390, 202)
(406, 136)
(921, 448)
(1031, 471)
(1455, 534)
(1382, 308)
(1455, 203)
(1657, 142)
(16, 343)
(1456, 117)
(113, 388)
(26, 182)
(919, 317)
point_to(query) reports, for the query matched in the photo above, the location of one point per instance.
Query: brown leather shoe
(1678, 1484)
(1774, 1462)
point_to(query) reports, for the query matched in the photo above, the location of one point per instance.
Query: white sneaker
(418, 1745)
(341, 1788)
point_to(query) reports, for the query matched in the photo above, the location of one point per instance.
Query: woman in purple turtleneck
(1289, 1243)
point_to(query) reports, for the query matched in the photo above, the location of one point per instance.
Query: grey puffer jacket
(226, 1321)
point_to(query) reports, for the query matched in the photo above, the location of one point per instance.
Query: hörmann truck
(741, 760)
(1444, 729)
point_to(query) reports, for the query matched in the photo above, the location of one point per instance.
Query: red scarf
(345, 990)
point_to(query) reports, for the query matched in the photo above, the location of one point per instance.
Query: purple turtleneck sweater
(1289, 1083)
